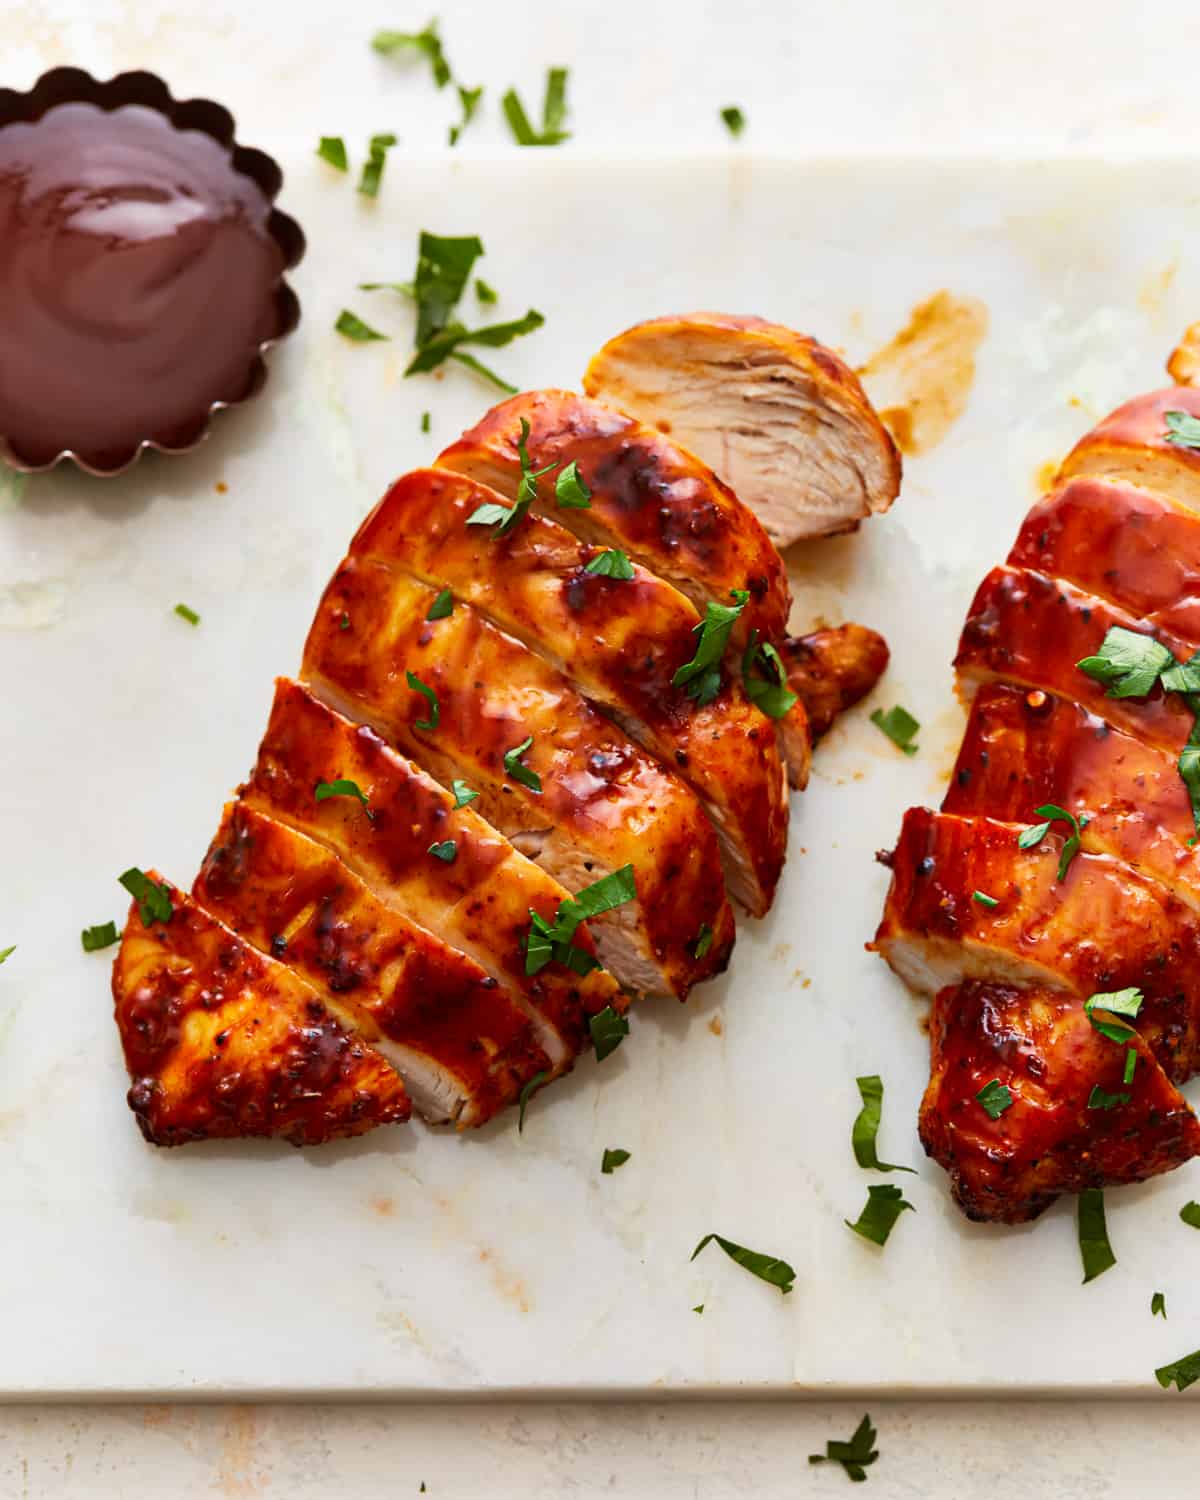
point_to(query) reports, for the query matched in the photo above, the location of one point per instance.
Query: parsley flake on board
(372, 172)
(446, 851)
(425, 421)
(1115, 1003)
(93, 939)
(899, 726)
(442, 606)
(154, 900)
(613, 1159)
(554, 113)
(484, 292)
(527, 1094)
(865, 1130)
(462, 792)
(1181, 1373)
(700, 678)
(608, 1031)
(1182, 429)
(765, 679)
(767, 1268)
(185, 612)
(735, 120)
(1094, 1249)
(995, 1097)
(1158, 1306)
(611, 563)
(856, 1456)
(1129, 664)
(885, 1203)
(699, 1307)
(6, 953)
(1190, 1214)
(332, 148)
(1033, 835)
(435, 708)
(444, 344)
(517, 771)
(468, 100)
(426, 43)
(341, 788)
(351, 326)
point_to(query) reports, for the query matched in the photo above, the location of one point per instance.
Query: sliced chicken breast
(1136, 444)
(1023, 751)
(600, 802)
(620, 642)
(649, 498)
(479, 900)
(1103, 927)
(222, 1041)
(1031, 630)
(832, 670)
(1040, 1046)
(462, 1044)
(780, 418)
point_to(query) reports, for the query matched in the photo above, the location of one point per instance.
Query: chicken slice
(1135, 444)
(620, 642)
(832, 669)
(1031, 630)
(778, 416)
(1126, 544)
(1104, 927)
(221, 1041)
(649, 498)
(458, 1039)
(1040, 1045)
(479, 901)
(1023, 750)
(602, 804)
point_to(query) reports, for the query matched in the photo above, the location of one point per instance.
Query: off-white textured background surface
(809, 76)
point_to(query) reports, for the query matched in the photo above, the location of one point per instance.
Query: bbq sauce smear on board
(138, 277)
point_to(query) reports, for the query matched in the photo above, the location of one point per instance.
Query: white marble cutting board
(420, 1262)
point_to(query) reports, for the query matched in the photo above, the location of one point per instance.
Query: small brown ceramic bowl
(143, 274)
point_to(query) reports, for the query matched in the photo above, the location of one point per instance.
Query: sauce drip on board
(138, 278)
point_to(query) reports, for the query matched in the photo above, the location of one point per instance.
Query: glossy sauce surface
(138, 278)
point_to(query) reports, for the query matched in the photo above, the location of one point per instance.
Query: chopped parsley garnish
(154, 900)
(445, 851)
(344, 621)
(1033, 835)
(885, 1203)
(1181, 1373)
(351, 326)
(442, 606)
(552, 941)
(1094, 1250)
(372, 172)
(1158, 1306)
(1190, 1214)
(95, 938)
(462, 792)
(1115, 1003)
(766, 1267)
(527, 1094)
(981, 898)
(502, 517)
(1182, 429)
(185, 612)
(613, 1159)
(1182, 677)
(519, 772)
(343, 787)
(435, 708)
(765, 680)
(856, 1456)
(426, 43)
(444, 344)
(554, 113)
(612, 563)
(899, 726)
(484, 292)
(425, 421)
(608, 1031)
(1131, 1058)
(1098, 1099)
(699, 1307)
(468, 100)
(7, 952)
(700, 678)
(332, 149)
(735, 120)
(1129, 664)
(1189, 764)
(865, 1130)
(506, 517)
(995, 1097)
(570, 491)
(703, 941)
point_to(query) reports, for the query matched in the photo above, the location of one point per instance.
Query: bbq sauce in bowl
(140, 277)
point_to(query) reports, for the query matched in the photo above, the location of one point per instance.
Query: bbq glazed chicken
(540, 746)
(1051, 909)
